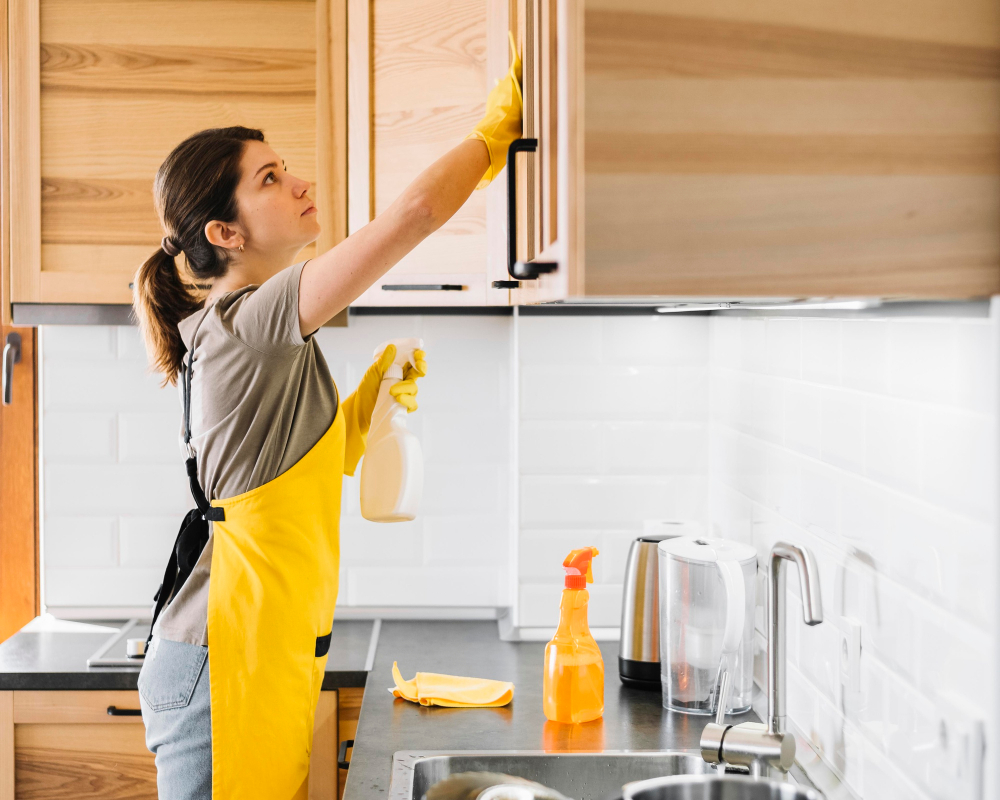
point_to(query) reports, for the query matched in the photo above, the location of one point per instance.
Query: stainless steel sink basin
(581, 776)
(715, 787)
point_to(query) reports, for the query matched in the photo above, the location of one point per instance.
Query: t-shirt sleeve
(267, 319)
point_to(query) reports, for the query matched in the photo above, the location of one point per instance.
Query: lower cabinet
(56, 745)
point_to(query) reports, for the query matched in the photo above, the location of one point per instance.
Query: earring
(241, 248)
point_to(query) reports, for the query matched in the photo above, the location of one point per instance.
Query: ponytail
(195, 185)
(161, 300)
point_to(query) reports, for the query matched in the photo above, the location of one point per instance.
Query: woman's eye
(270, 176)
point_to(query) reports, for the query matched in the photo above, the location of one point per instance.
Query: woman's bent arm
(331, 281)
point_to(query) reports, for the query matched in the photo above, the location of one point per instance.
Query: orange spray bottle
(573, 689)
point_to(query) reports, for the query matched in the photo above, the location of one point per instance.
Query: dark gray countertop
(58, 661)
(633, 719)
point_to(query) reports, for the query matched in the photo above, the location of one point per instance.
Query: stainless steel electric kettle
(639, 653)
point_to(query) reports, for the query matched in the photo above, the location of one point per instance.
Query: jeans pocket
(169, 673)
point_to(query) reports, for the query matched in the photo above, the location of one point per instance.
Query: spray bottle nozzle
(578, 567)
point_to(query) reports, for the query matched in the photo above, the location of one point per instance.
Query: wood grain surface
(117, 84)
(428, 90)
(783, 148)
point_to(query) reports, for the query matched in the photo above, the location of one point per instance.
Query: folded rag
(431, 689)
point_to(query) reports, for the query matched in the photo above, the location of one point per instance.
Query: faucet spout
(812, 613)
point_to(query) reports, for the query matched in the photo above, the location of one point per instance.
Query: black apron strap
(193, 535)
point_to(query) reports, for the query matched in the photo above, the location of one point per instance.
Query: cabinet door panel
(106, 88)
(784, 150)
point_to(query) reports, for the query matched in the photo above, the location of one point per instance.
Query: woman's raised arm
(331, 281)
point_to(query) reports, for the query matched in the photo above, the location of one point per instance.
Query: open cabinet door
(18, 430)
(549, 218)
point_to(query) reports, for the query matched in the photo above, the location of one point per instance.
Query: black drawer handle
(342, 761)
(423, 287)
(114, 711)
(506, 284)
(522, 270)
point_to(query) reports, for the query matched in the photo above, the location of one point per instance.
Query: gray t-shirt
(261, 397)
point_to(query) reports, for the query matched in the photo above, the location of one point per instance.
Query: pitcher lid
(707, 550)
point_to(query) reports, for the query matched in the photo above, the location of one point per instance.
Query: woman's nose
(300, 187)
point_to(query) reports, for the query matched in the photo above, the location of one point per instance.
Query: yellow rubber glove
(501, 124)
(359, 406)
(405, 391)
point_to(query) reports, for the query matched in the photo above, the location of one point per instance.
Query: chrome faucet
(767, 749)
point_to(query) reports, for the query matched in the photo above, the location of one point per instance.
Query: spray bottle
(392, 473)
(573, 689)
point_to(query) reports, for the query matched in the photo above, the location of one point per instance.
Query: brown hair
(193, 186)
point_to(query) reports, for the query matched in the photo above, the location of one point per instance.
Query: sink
(716, 787)
(581, 776)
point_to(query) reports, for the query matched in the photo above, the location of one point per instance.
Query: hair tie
(170, 247)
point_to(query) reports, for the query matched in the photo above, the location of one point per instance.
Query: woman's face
(276, 211)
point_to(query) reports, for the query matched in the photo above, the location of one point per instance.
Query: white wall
(872, 442)
(114, 488)
(613, 430)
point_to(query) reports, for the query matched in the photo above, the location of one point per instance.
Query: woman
(243, 619)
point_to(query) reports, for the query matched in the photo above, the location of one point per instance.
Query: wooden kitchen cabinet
(59, 744)
(100, 91)
(778, 149)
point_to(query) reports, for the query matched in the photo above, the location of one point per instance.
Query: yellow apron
(274, 580)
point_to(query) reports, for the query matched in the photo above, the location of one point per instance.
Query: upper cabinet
(712, 148)
(100, 91)
(777, 149)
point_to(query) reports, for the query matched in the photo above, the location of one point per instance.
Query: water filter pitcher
(707, 598)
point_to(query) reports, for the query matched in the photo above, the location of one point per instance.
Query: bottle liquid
(392, 472)
(573, 689)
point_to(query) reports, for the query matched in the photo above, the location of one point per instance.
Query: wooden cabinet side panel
(6, 746)
(25, 150)
(735, 150)
(323, 773)
(348, 713)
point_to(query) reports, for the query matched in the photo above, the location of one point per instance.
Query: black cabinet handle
(114, 711)
(423, 287)
(506, 284)
(342, 761)
(522, 270)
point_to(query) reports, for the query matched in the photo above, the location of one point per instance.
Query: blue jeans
(176, 709)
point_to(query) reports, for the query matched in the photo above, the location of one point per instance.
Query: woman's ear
(223, 234)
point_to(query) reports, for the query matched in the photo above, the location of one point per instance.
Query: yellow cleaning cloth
(431, 689)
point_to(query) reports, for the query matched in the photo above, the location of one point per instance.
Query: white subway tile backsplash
(864, 354)
(149, 438)
(868, 439)
(80, 542)
(82, 385)
(659, 448)
(146, 541)
(80, 436)
(110, 451)
(821, 350)
(76, 342)
(476, 586)
(554, 447)
(784, 348)
(560, 340)
(103, 588)
(116, 489)
(886, 470)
